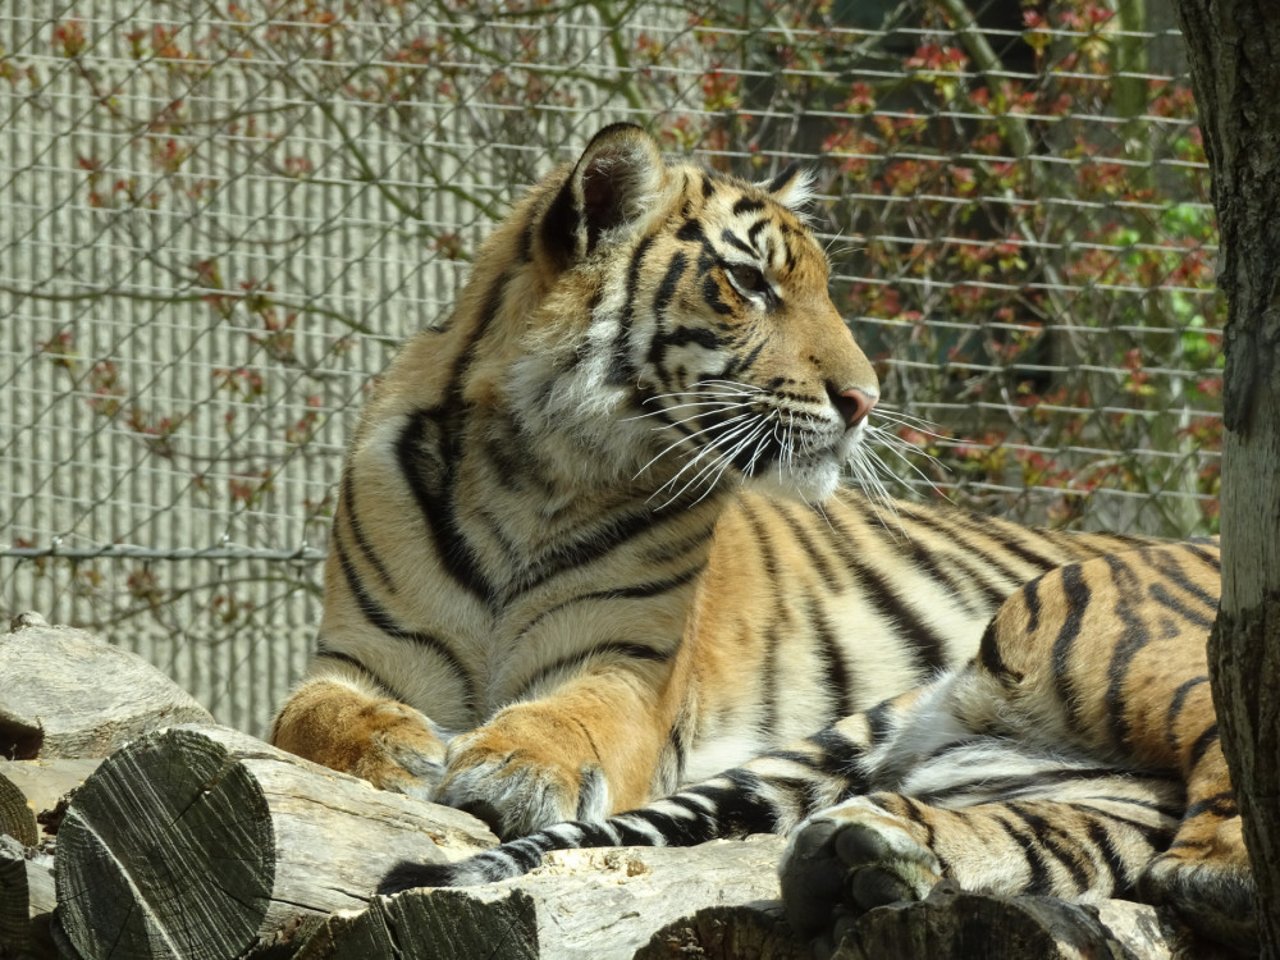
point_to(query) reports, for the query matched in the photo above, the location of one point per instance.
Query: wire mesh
(220, 218)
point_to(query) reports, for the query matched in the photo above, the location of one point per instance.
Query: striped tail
(770, 794)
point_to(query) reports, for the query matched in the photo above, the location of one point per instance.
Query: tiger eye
(749, 278)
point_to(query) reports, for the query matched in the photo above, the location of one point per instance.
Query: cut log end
(181, 858)
(199, 842)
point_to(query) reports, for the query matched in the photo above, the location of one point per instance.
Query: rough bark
(1234, 51)
(26, 902)
(197, 841)
(580, 905)
(31, 791)
(65, 693)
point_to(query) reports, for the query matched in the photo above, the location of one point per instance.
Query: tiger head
(675, 324)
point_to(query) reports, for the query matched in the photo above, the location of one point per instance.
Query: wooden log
(196, 841)
(30, 791)
(951, 924)
(749, 931)
(580, 905)
(65, 693)
(26, 902)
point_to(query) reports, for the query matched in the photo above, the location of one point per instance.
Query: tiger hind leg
(1204, 874)
(885, 848)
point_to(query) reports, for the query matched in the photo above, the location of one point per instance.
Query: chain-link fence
(219, 219)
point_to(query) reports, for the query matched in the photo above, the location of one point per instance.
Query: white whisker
(719, 425)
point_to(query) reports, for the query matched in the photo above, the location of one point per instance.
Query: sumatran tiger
(1076, 754)
(591, 541)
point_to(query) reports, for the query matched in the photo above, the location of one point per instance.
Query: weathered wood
(194, 842)
(65, 693)
(749, 931)
(954, 925)
(32, 789)
(580, 905)
(26, 902)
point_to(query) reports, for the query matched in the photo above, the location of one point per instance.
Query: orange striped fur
(591, 541)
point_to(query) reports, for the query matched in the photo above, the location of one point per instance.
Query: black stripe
(680, 337)
(382, 620)
(738, 365)
(1172, 570)
(783, 178)
(691, 232)
(839, 678)
(652, 588)
(1212, 559)
(732, 239)
(768, 726)
(1031, 598)
(383, 687)
(995, 788)
(613, 648)
(929, 649)
(357, 531)
(1160, 595)
(711, 294)
(1176, 703)
(1077, 596)
(676, 744)
(977, 561)
(989, 653)
(1008, 539)
(1220, 805)
(826, 573)
(1110, 856)
(769, 695)
(435, 499)
(590, 545)
(747, 205)
(1133, 638)
(1039, 882)
(621, 369)
(926, 562)
(1208, 737)
(880, 721)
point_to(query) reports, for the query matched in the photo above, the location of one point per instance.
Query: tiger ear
(612, 185)
(794, 187)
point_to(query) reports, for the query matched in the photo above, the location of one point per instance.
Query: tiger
(1076, 754)
(603, 532)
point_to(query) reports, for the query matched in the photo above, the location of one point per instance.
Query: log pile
(132, 826)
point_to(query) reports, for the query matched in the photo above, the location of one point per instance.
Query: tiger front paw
(405, 752)
(846, 861)
(388, 743)
(526, 769)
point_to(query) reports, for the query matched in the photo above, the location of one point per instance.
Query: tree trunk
(1234, 49)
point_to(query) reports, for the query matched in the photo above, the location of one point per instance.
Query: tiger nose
(853, 404)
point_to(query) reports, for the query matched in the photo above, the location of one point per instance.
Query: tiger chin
(591, 541)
